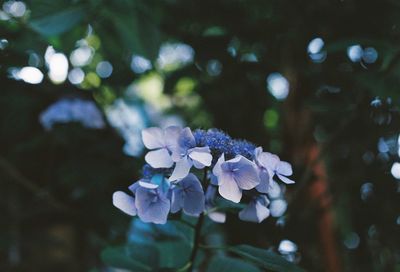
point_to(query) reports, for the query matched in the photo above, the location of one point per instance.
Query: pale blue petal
(284, 168)
(171, 137)
(147, 185)
(228, 188)
(258, 151)
(152, 206)
(256, 211)
(124, 202)
(201, 156)
(210, 195)
(176, 200)
(193, 195)
(198, 165)
(213, 179)
(186, 139)
(134, 186)
(193, 203)
(144, 197)
(159, 158)
(285, 179)
(244, 173)
(181, 169)
(268, 160)
(263, 187)
(217, 170)
(153, 138)
(217, 217)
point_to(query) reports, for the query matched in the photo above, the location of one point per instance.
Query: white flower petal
(285, 179)
(201, 155)
(124, 202)
(153, 138)
(159, 158)
(228, 188)
(181, 169)
(284, 168)
(217, 168)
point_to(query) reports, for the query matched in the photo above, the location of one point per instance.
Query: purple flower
(188, 195)
(162, 142)
(234, 176)
(125, 203)
(151, 203)
(214, 215)
(256, 211)
(274, 166)
(186, 154)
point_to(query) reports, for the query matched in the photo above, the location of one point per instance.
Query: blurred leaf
(265, 259)
(135, 31)
(224, 204)
(146, 233)
(133, 257)
(229, 264)
(173, 254)
(58, 23)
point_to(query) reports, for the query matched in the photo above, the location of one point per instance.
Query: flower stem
(196, 241)
(197, 233)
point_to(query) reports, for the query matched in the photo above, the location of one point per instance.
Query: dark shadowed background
(316, 82)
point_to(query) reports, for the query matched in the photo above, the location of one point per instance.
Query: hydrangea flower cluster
(231, 169)
(68, 110)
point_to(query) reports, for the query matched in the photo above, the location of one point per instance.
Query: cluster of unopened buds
(235, 169)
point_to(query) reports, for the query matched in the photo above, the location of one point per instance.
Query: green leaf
(229, 264)
(223, 204)
(265, 259)
(57, 23)
(136, 258)
(173, 254)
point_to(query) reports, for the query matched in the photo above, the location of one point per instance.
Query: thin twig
(197, 233)
(22, 180)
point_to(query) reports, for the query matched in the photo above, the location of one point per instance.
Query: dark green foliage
(57, 185)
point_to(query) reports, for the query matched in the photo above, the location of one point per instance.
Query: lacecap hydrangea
(235, 170)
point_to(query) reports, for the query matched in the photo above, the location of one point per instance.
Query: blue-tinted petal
(153, 138)
(213, 179)
(159, 158)
(217, 217)
(284, 168)
(210, 195)
(263, 187)
(144, 197)
(181, 169)
(147, 185)
(217, 170)
(134, 186)
(285, 179)
(151, 206)
(256, 211)
(171, 137)
(268, 160)
(244, 172)
(228, 188)
(257, 152)
(186, 139)
(193, 195)
(176, 200)
(124, 202)
(201, 156)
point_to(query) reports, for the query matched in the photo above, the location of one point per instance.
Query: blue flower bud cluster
(231, 168)
(221, 143)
